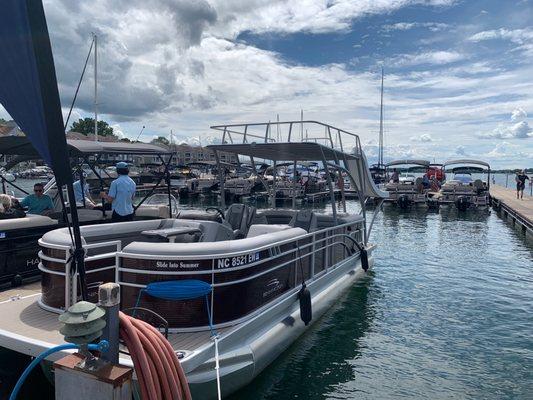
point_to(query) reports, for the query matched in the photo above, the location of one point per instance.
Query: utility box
(110, 382)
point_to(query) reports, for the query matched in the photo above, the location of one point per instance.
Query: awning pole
(221, 179)
(79, 253)
(294, 185)
(273, 196)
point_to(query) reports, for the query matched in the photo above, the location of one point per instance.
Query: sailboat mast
(380, 156)
(95, 88)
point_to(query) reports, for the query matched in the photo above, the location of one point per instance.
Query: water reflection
(323, 357)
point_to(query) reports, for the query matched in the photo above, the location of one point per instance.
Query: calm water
(447, 313)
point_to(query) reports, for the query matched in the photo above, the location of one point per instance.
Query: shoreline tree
(85, 126)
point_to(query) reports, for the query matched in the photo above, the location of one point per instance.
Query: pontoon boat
(257, 270)
(463, 190)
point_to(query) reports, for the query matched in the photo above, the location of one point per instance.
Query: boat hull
(244, 354)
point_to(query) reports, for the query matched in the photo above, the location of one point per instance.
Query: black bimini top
(20, 145)
(306, 151)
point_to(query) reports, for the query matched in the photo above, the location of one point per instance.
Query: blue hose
(102, 346)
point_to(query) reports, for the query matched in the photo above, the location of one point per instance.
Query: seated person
(425, 181)
(7, 208)
(80, 194)
(38, 203)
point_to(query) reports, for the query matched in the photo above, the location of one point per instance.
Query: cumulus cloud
(424, 138)
(518, 114)
(520, 130)
(430, 57)
(508, 151)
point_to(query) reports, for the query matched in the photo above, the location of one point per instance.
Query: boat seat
(263, 229)
(199, 215)
(240, 217)
(29, 221)
(275, 216)
(305, 219)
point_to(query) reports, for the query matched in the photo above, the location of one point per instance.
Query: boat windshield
(463, 178)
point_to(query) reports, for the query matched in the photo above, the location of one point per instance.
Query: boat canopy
(408, 162)
(467, 170)
(467, 162)
(306, 151)
(21, 146)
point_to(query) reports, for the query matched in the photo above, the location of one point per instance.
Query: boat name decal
(237, 260)
(181, 264)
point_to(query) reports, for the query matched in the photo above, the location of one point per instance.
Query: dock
(518, 212)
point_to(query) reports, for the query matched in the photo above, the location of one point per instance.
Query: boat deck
(30, 321)
(509, 207)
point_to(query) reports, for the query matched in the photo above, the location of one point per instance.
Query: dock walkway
(519, 212)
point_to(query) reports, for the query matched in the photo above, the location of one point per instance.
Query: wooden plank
(519, 211)
(508, 197)
(27, 319)
(21, 291)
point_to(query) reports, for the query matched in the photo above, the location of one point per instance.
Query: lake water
(446, 313)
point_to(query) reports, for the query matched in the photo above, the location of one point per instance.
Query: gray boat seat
(199, 215)
(274, 217)
(305, 219)
(240, 217)
(29, 221)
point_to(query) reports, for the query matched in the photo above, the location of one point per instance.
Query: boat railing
(298, 250)
(291, 132)
(71, 278)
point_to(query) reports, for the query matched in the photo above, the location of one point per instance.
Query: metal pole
(294, 185)
(273, 196)
(330, 185)
(79, 253)
(167, 175)
(95, 89)
(221, 179)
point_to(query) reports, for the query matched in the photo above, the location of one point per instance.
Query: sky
(458, 74)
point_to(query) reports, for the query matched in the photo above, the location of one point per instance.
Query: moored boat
(256, 267)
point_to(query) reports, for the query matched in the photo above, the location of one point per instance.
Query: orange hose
(159, 371)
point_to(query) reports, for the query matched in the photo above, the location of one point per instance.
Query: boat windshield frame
(287, 145)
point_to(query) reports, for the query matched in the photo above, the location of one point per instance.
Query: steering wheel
(217, 210)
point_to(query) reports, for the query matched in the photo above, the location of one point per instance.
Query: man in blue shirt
(121, 193)
(81, 194)
(38, 203)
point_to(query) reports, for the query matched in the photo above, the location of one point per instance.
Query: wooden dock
(518, 212)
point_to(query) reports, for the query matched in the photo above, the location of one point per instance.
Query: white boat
(258, 265)
(462, 190)
(408, 191)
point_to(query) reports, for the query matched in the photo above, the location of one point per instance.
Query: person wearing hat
(120, 195)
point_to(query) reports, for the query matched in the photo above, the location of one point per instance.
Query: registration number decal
(237, 261)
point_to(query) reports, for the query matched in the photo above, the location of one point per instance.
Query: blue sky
(457, 73)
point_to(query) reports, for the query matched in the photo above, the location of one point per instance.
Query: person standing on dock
(520, 179)
(121, 194)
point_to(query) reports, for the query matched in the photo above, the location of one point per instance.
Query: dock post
(109, 298)
(110, 382)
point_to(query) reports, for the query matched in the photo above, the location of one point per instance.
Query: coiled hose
(158, 370)
(102, 346)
